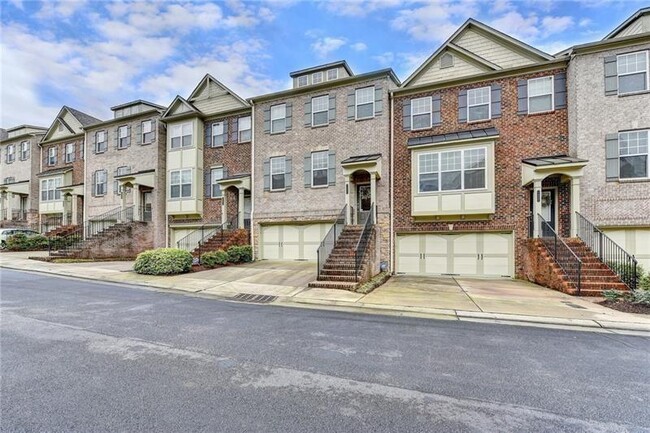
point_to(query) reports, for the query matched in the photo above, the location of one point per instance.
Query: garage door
(177, 234)
(634, 241)
(468, 254)
(292, 241)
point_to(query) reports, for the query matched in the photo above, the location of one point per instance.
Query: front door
(247, 210)
(146, 205)
(364, 202)
(548, 211)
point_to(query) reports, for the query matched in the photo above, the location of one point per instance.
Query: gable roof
(83, 118)
(209, 78)
(179, 100)
(136, 102)
(627, 22)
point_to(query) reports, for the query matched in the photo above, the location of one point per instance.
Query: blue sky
(92, 55)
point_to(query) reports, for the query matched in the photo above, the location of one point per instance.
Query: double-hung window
(633, 154)
(478, 104)
(365, 102)
(180, 183)
(278, 171)
(181, 135)
(452, 170)
(24, 150)
(101, 142)
(51, 155)
(218, 136)
(69, 152)
(632, 72)
(319, 168)
(147, 132)
(319, 110)
(303, 81)
(428, 172)
(540, 94)
(317, 77)
(216, 174)
(123, 137)
(11, 153)
(244, 124)
(49, 189)
(421, 113)
(278, 118)
(100, 182)
(332, 74)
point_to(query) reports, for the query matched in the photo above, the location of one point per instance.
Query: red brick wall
(521, 136)
(77, 165)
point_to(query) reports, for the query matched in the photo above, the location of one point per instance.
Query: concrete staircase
(222, 240)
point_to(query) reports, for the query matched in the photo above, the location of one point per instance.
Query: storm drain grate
(258, 299)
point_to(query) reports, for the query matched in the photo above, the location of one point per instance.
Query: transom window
(49, 189)
(302, 81)
(244, 129)
(216, 174)
(69, 152)
(180, 183)
(11, 153)
(332, 74)
(319, 167)
(278, 171)
(478, 104)
(101, 142)
(540, 94)
(632, 72)
(100, 182)
(147, 132)
(633, 154)
(51, 156)
(317, 77)
(452, 170)
(278, 118)
(421, 113)
(24, 150)
(123, 137)
(319, 109)
(365, 102)
(181, 135)
(218, 134)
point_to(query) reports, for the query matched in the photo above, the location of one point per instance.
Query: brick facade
(77, 165)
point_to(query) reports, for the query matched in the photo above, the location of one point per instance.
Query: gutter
(252, 180)
(391, 239)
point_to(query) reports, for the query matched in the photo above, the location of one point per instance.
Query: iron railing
(364, 240)
(195, 240)
(609, 252)
(50, 223)
(329, 241)
(562, 254)
(19, 214)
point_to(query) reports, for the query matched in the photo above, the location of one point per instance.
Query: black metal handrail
(49, 223)
(329, 241)
(563, 255)
(196, 239)
(609, 252)
(362, 244)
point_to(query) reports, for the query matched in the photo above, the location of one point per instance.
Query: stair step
(333, 285)
(351, 278)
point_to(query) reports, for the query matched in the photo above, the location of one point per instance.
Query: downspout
(85, 206)
(391, 241)
(252, 178)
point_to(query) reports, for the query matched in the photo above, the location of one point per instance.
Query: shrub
(163, 261)
(240, 254)
(612, 295)
(641, 297)
(642, 279)
(21, 242)
(644, 283)
(214, 258)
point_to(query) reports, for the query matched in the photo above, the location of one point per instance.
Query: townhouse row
(489, 143)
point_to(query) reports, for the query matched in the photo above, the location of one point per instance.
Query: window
(302, 81)
(216, 174)
(540, 95)
(278, 170)
(319, 109)
(452, 170)
(319, 166)
(101, 142)
(123, 137)
(10, 179)
(478, 104)
(332, 74)
(11, 153)
(120, 172)
(100, 182)
(421, 113)
(317, 77)
(278, 118)
(24, 150)
(181, 183)
(244, 129)
(69, 152)
(49, 189)
(633, 154)
(181, 135)
(365, 102)
(218, 135)
(147, 132)
(51, 156)
(632, 72)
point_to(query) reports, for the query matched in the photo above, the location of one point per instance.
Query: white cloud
(359, 8)
(385, 59)
(359, 46)
(60, 9)
(434, 21)
(324, 46)
(584, 22)
(17, 3)
(516, 25)
(556, 24)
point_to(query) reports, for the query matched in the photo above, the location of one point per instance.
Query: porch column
(373, 194)
(575, 205)
(224, 207)
(537, 207)
(10, 209)
(348, 213)
(75, 204)
(3, 205)
(136, 202)
(66, 198)
(240, 209)
(123, 198)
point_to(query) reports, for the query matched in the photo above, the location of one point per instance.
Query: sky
(92, 55)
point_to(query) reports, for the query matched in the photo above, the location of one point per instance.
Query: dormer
(135, 107)
(321, 74)
(24, 130)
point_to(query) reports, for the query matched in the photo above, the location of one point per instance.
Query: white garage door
(634, 241)
(177, 234)
(469, 254)
(292, 241)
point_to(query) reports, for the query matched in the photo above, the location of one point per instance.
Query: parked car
(6, 232)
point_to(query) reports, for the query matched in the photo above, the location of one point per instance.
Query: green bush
(22, 242)
(240, 254)
(644, 283)
(612, 295)
(214, 258)
(163, 261)
(641, 297)
(642, 279)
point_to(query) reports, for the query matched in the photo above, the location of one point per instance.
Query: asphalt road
(77, 356)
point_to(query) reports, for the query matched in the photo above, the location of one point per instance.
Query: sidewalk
(495, 301)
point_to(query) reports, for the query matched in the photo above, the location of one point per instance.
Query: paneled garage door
(466, 254)
(635, 241)
(292, 241)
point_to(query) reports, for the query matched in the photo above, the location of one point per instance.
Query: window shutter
(406, 115)
(234, 135)
(287, 173)
(225, 131)
(267, 120)
(522, 97)
(611, 76)
(208, 135)
(611, 157)
(332, 108)
(267, 175)
(379, 101)
(495, 99)
(128, 135)
(207, 177)
(462, 106)
(154, 130)
(560, 90)
(138, 133)
(45, 153)
(225, 172)
(288, 122)
(94, 134)
(436, 113)
(116, 137)
(94, 190)
(307, 118)
(331, 169)
(307, 171)
(116, 185)
(351, 104)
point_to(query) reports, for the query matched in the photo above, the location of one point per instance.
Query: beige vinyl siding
(433, 73)
(491, 50)
(218, 104)
(641, 25)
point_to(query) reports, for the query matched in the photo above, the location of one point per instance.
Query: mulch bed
(626, 307)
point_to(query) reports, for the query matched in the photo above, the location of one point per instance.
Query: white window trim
(105, 183)
(305, 77)
(356, 103)
(73, 152)
(180, 184)
(284, 173)
(278, 118)
(212, 182)
(119, 137)
(317, 74)
(52, 154)
(327, 168)
(647, 73)
(239, 130)
(52, 180)
(430, 172)
(26, 150)
(181, 137)
(142, 140)
(313, 112)
(489, 104)
(430, 113)
(213, 135)
(462, 171)
(11, 147)
(336, 70)
(552, 94)
(97, 142)
(647, 154)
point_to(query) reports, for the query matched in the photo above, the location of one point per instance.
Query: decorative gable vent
(446, 61)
